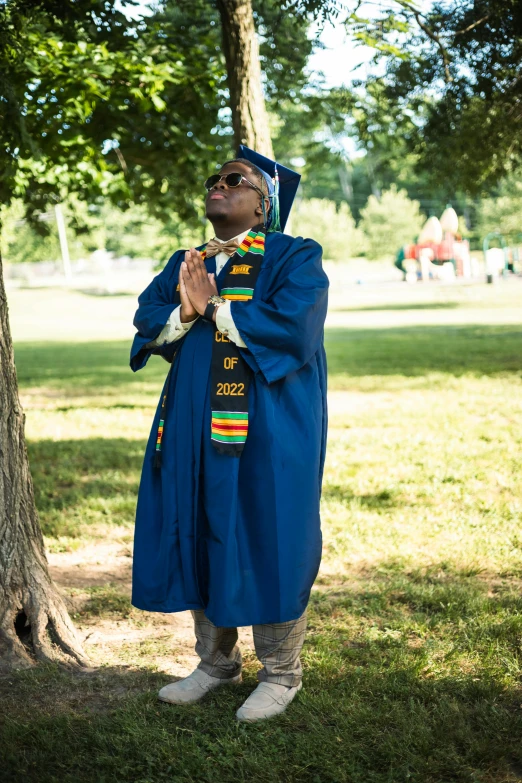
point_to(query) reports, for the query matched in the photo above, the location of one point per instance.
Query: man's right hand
(188, 312)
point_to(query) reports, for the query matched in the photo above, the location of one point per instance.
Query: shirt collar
(239, 237)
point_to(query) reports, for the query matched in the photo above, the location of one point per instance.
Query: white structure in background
(431, 232)
(64, 247)
(101, 260)
(495, 263)
(430, 235)
(449, 222)
(100, 273)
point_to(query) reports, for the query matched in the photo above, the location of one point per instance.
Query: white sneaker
(267, 700)
(193, 687)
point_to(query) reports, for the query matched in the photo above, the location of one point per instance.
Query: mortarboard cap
(282, 186)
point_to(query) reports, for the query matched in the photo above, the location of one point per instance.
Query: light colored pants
(278, 647)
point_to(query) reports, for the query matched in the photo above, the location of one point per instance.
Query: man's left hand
(198, 283)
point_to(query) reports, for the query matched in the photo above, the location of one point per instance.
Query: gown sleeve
(284, 330)
(225, 323)
(173, 330)
(155, 306)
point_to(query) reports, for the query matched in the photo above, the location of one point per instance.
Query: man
(227, 522)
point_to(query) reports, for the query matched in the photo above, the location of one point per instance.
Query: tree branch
(432, 35)
(121, 160)
(471, 26)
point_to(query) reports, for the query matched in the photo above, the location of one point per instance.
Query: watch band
(209, 311)
(214, 301)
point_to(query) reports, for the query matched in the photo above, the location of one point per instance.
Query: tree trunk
(34, 621)
(241, 48)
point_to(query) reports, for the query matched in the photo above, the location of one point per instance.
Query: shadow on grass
(80, 481)
(106, 601)
(437, 594)
(60, 691)
(400, 307)
(79, 368)
(376, 501)
(411, 677)
(420, 350)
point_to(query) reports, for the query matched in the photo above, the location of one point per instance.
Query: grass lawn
(413, 656)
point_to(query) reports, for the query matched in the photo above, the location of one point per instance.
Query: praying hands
(195, 285)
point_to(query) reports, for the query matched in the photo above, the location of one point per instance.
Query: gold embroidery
(229, 362)
(220, 337)
(240, 269)
(177, 287)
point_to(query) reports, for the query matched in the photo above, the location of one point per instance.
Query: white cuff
(225, 324)
(173, 330)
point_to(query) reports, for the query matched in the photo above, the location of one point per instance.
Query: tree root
(13, 654)
(48, 635)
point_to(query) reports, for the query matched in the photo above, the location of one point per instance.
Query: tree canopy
(102, 105)
(136, 111)
(139, 110)
(452, 81)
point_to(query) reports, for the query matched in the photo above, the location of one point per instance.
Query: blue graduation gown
(240, 536)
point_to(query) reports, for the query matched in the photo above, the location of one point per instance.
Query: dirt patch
(93, 565)
(130, 655)
(154, 640)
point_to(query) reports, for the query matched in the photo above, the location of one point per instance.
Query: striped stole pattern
(230, 374)
(229, 426)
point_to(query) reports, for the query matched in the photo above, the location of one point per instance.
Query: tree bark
(34, 621)
(241, 49)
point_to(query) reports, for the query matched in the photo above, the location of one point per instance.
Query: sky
(338, 60)
(341, 61)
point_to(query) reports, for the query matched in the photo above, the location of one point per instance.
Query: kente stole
(230, 374)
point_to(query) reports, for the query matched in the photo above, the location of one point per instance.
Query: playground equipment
(501, 260)
(438, 253)
(514, 255)
(495, 257)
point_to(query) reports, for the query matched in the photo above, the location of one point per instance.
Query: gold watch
(214, 301)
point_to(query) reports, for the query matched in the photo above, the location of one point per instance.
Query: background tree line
(135, 233)
(175, 123)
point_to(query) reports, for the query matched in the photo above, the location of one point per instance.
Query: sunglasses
(232, 180)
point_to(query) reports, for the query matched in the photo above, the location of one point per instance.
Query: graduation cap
(282, 186)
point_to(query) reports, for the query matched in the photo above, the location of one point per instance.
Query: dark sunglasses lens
(211, 181)
(234, 179)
